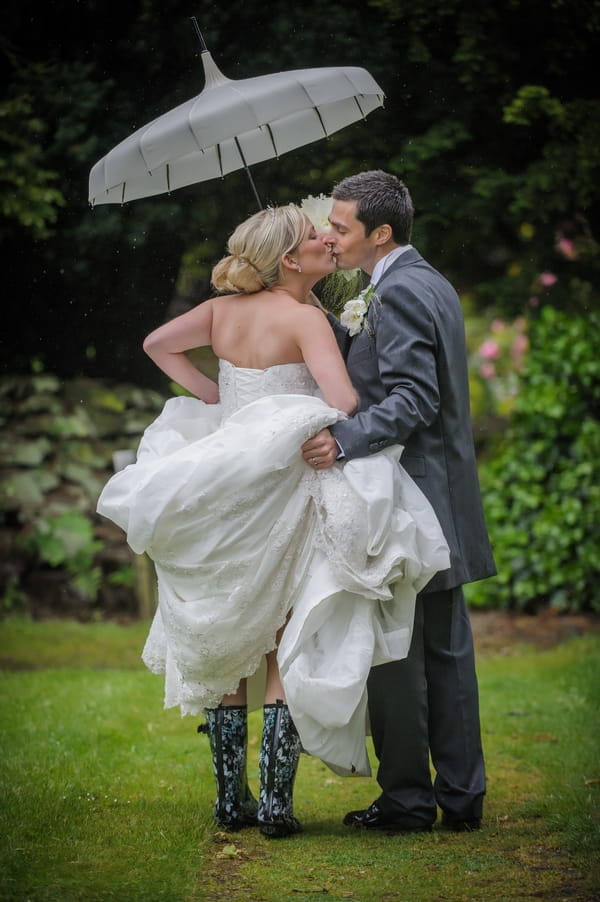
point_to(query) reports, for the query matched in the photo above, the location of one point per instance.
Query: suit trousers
(428, 704)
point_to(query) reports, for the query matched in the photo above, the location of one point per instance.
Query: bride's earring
(299, 268)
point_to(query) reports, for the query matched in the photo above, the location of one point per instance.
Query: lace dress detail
(244, 534)
(239, 386)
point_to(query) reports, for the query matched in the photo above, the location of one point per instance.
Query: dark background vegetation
(492, 117)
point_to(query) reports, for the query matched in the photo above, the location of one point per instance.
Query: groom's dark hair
(380, 198)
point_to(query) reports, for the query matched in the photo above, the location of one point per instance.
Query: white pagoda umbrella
(232, 124)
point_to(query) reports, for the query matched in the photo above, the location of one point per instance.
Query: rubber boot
(279, 754)
(227, 729)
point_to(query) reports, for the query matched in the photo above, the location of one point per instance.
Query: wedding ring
(314, 460)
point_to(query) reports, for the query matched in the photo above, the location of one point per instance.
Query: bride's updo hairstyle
(256, 248)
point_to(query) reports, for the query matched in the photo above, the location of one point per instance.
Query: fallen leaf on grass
(229, 851)
(222, 836)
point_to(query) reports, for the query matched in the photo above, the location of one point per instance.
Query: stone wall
(60, 442)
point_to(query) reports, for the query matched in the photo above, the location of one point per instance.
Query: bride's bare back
(254, 331)
(263, 330)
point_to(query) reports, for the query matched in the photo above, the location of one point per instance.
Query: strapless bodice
(239, 385)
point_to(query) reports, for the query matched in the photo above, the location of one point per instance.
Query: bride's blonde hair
(256, 248)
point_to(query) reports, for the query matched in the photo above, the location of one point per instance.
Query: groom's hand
(321, 451)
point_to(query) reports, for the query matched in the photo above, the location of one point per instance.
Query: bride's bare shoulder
(310, 316)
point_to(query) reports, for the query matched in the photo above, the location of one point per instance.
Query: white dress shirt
(382, 265)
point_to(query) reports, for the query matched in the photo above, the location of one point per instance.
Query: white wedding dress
(242, 532)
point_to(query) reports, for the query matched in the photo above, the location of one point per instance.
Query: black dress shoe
(373, 818)
(461, 824)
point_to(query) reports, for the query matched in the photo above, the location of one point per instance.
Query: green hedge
(542, 489)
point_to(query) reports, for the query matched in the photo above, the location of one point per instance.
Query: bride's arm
(323, 358)
(167, 345)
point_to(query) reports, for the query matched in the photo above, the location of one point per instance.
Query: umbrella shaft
(253, 186)
(249, 174)
(203, 46)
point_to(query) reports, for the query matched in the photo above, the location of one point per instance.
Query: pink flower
(519, 347)
(498, 325)
(490, 350)
(567, 248)
(487, 370)
(547, 279)
(520, 344)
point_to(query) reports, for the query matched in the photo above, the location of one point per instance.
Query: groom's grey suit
(409, 367)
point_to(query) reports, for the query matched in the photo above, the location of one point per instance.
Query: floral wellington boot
(227, 728)
(279, 754)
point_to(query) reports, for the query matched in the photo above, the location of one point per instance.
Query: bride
(259, 555)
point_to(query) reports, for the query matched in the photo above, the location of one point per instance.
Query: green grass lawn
(105, 796)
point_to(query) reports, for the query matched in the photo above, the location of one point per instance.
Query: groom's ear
(383, 234)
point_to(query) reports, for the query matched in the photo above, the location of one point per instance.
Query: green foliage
(12, 599)
(61, 441)
(339, 287)
(123, 576)
(531, 102)
(68, 541)
(28, 192)
(542, 490)
(570, 132)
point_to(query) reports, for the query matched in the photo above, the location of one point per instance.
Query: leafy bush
(68, 541)
(542, 489)
(61, 441)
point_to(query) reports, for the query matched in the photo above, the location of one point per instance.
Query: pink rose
(488, 370)
(520, 344)
(490, 350)
(547, 279)
(567, 248)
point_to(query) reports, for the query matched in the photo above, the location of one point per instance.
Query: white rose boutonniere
(355, 310)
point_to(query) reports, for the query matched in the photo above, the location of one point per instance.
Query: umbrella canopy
(232, 124)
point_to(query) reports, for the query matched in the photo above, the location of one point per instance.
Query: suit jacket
(409, 366)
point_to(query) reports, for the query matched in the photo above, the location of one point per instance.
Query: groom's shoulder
(417, 281)
(409, 269)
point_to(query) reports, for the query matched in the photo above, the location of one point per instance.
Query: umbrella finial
(212, 74)
(203, 46)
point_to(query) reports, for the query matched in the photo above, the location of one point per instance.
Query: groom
(408, 364)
